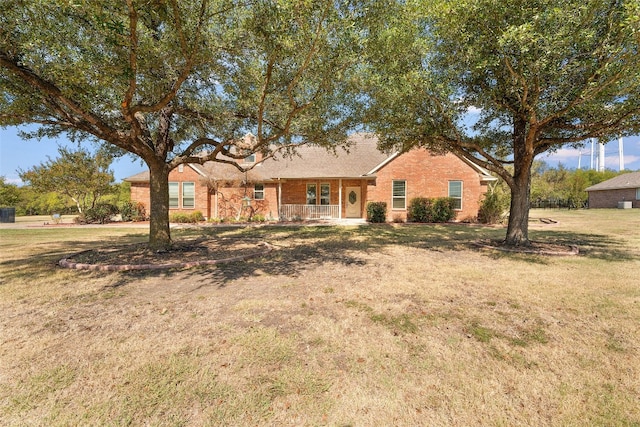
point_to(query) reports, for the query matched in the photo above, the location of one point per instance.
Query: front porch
(291, 212)
(321, 199)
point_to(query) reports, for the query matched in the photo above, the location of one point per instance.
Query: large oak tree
(536, 74)
(180, 81)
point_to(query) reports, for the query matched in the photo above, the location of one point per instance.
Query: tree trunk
(159, 233)
(518, 229)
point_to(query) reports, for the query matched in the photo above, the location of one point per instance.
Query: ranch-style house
(319, 184)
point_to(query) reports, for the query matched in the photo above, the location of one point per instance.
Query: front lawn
(364, 325)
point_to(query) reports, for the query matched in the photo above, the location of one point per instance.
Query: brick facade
(610, 198)
(428, 175)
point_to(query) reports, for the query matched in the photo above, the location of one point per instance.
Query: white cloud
(474, 110)
(16, 181)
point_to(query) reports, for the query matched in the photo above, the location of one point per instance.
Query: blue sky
(16, 153)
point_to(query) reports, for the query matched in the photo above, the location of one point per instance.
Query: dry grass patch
(377, 325)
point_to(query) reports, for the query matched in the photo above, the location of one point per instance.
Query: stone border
(573, 250)
(68, 263)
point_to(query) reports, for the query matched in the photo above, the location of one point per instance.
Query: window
(251, 158)
(399, 196)
(325, 194)
(173, 195)
(637, 193)
(312, 197)
(258, 192)
(188, 195)
(455, 192)
(180, 168)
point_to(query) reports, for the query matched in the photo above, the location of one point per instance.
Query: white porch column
(340, 198)
(279, 197)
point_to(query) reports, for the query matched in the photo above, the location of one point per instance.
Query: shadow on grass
(299, 248)
(42, 264)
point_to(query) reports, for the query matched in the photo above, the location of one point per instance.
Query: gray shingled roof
(357, 160)
(626, 180)
(361, 158)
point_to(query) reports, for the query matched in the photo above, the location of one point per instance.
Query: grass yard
(341, 326)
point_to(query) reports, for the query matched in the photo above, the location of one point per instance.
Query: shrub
(492, 208)
(258, 218)
(186, 218)
(377, 212)
(197, 216)
(101, 213)
(420, 210)
(131, 211)
(443, 209)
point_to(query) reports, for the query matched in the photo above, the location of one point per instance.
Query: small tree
(82, 177)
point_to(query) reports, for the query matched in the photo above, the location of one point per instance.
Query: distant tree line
(564, 188)
(28, 201)
(558, 187)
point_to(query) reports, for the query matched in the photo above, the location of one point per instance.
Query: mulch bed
(183, 254)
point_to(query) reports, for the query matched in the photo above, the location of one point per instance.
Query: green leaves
(79, 175)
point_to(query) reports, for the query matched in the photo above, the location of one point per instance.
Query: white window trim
(177, 205)
(461, 192)
(319, 197)
(256, 192)
(181, 198)
(311, 184)
(393, 197)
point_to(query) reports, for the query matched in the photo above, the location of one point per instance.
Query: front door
(354, 208)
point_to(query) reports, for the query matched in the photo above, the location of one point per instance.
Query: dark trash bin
(7, 214)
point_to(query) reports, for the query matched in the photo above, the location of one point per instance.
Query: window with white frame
(637, 193)
(251, 158)
(325, 194)
(188, 195)
(258, 192)
(455, 192)
(399, 194)
(173, 195)
(312, 194)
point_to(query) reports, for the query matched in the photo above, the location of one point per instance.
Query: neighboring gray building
(610, 193)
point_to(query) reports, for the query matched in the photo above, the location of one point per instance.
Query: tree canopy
(535, 75)
(178, 82)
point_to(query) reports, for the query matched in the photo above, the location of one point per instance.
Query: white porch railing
(290, 212)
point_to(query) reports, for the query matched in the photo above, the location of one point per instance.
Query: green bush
(492, 208)
(443, 209)
(422, 209)
(131, 211)
(101, 213)
(377, 212)
(186, 218)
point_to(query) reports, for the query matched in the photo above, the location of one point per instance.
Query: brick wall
(427, 175)
(140, 194)
(228, 202)
(610, 198)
